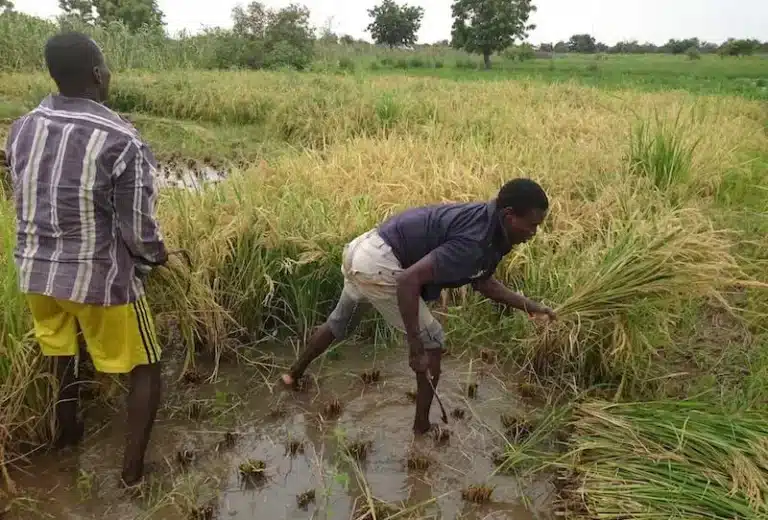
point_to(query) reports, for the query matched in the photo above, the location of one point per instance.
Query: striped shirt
(83, 184)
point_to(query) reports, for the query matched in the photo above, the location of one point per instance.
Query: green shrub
(347, 64)
(417, 63)
(465, 63)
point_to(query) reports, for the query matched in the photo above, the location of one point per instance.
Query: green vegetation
(673, 460)
(652, 253)
(395, 25)
(487, 26)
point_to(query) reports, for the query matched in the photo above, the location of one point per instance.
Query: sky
(608, 20)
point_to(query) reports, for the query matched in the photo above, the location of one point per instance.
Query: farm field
(645, 400)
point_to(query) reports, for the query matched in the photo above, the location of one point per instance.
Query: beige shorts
(370, 268)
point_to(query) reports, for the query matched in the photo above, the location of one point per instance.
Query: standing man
(409, 259)
(85, 203)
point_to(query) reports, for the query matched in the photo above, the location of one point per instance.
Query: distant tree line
(261, 37)
(587, 44)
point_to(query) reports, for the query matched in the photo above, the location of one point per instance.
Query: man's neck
(89, 96)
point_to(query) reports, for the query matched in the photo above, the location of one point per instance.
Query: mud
(193, 178)
(309, 467)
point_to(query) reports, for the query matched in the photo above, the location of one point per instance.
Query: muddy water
(84, 484)
(189, 178)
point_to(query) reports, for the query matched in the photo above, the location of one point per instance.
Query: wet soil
(239, 422)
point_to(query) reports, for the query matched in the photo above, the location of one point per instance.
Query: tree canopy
(134, 14)
(282, 37)
(395, 25)
(488, 26)
(583, 43)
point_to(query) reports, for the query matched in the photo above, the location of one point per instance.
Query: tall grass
(25, 388)
(659, 149)
(675, 460)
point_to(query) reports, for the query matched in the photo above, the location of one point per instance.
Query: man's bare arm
(409, 285)
(494, 290)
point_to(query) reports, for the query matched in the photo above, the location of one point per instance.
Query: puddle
(84, 485)
(189, 178)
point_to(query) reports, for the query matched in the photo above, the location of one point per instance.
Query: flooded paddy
(340, 449)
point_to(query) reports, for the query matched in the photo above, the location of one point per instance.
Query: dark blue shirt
(467, 241)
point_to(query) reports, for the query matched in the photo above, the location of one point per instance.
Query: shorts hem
(107, 368)
(58, 352)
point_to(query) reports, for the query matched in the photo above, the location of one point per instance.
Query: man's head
(78, 67)
(522, 206)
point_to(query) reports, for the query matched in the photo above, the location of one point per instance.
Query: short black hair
(71, 58)
(522, 196)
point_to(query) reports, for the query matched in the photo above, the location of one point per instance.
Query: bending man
(409, 259)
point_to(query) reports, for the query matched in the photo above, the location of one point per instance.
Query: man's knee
(345, 316)
(432, 336)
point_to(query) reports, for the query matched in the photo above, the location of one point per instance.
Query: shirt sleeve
(135, 200)
(5, 164)
(457, 259)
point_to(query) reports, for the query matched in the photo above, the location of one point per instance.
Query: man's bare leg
(69, 430)
(143, 402)
(320, 341)
(425, 392)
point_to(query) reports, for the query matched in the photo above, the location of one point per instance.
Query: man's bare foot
(72, 438)
(421, 427)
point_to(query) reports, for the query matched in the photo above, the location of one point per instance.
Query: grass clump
(332, 409)
(305, 499)
(480, 494)
(252, 472)
(371, 377)
(358, 450)
(676, 460)
(662, 152)
(419, 462)
(294, 447)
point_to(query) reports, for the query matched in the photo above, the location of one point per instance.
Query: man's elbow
(482, 286)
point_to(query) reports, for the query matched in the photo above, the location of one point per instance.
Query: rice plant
(662, 151)
(669, 460)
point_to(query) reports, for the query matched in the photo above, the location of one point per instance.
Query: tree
(693, 53)
(739, 47)
(395, 25)
(488, 26)
(289, 38)
(561, 47)
(281, 37)
(82, 9)
(582, 43)
(326, 34)
(134, 14)
(681, 46)
(6, 6)
(251, 20)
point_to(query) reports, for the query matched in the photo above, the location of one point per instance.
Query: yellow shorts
(119, 337)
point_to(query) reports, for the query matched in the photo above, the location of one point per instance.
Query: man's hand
(539, 310)
(495, 290)
(417, 356)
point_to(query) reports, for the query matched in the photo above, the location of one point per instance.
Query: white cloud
(608, 20)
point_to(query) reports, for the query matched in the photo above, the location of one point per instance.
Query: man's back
(81, 178)
(466, 238)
